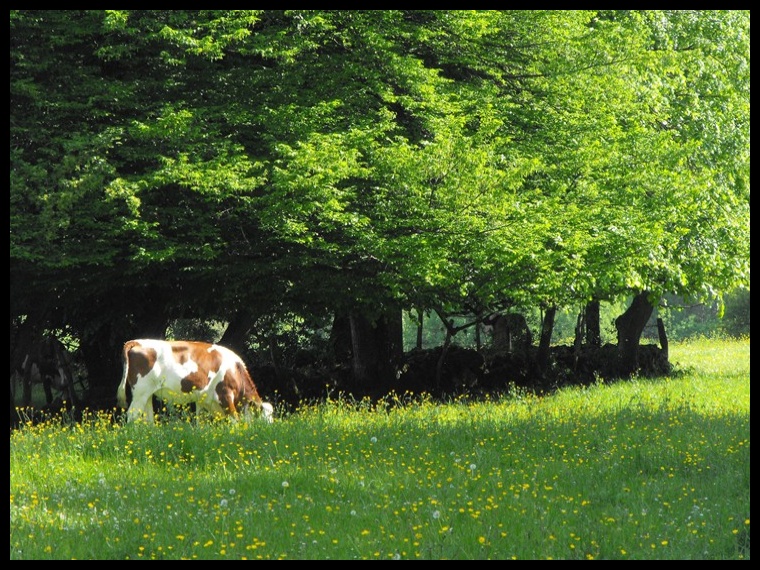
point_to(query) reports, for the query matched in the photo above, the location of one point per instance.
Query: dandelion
(436, 515)
(373, 439)
(223, 503)
(232, 492)
(285, 484)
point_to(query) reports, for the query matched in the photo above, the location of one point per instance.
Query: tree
(214, 163)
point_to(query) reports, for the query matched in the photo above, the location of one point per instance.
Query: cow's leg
(149, 411)
(142, 405)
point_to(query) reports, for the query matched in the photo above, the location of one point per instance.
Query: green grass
(642, 469)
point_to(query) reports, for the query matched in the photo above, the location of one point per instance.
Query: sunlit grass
(643, 469)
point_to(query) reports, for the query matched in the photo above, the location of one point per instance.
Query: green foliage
(317, 161)
(644, 469)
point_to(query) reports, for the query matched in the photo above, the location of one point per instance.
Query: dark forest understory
(463, 373)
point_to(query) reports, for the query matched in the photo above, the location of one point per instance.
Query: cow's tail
(121, 394)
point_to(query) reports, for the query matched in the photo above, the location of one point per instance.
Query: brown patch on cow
(194, 381)
(211, 359)
(208, 362)
(181, 352)
(141, 361)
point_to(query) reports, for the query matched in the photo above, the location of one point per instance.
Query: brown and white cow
(211, 376)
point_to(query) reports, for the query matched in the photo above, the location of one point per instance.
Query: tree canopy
(173, 163)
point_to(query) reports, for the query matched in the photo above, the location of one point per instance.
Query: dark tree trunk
(419, 329)
(511, 333)
(547, 327)
(663, 338)
(22, 350)
(502, 339)
(580, 326)
(150, 325)
(235, 336)
(340, 339)
(393, 336)
(593, 330)
(376, 349)
(101, 356)
(629, 327)
(47, 387)
(365, 359)
(442, 358)
(26, 393)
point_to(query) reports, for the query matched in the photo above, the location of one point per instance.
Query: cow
(211, 376)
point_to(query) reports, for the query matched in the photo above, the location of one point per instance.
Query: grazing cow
(211, 376)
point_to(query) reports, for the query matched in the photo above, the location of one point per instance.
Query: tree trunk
(511, 334)
(393, 337)
(663, 338)
(502, 339)
(26, 393)
(547, 327)
(442, 358)
(101, 353)
(235, 336)
(376, 349)
(593, 330)
(419, 329)
(340, 339)
(629, 327)
(22, 350)
(580, 325)
(102, 359)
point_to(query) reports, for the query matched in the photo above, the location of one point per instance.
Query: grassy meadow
(641, 469)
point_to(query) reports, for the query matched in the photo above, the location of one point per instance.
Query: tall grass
(641, 469)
